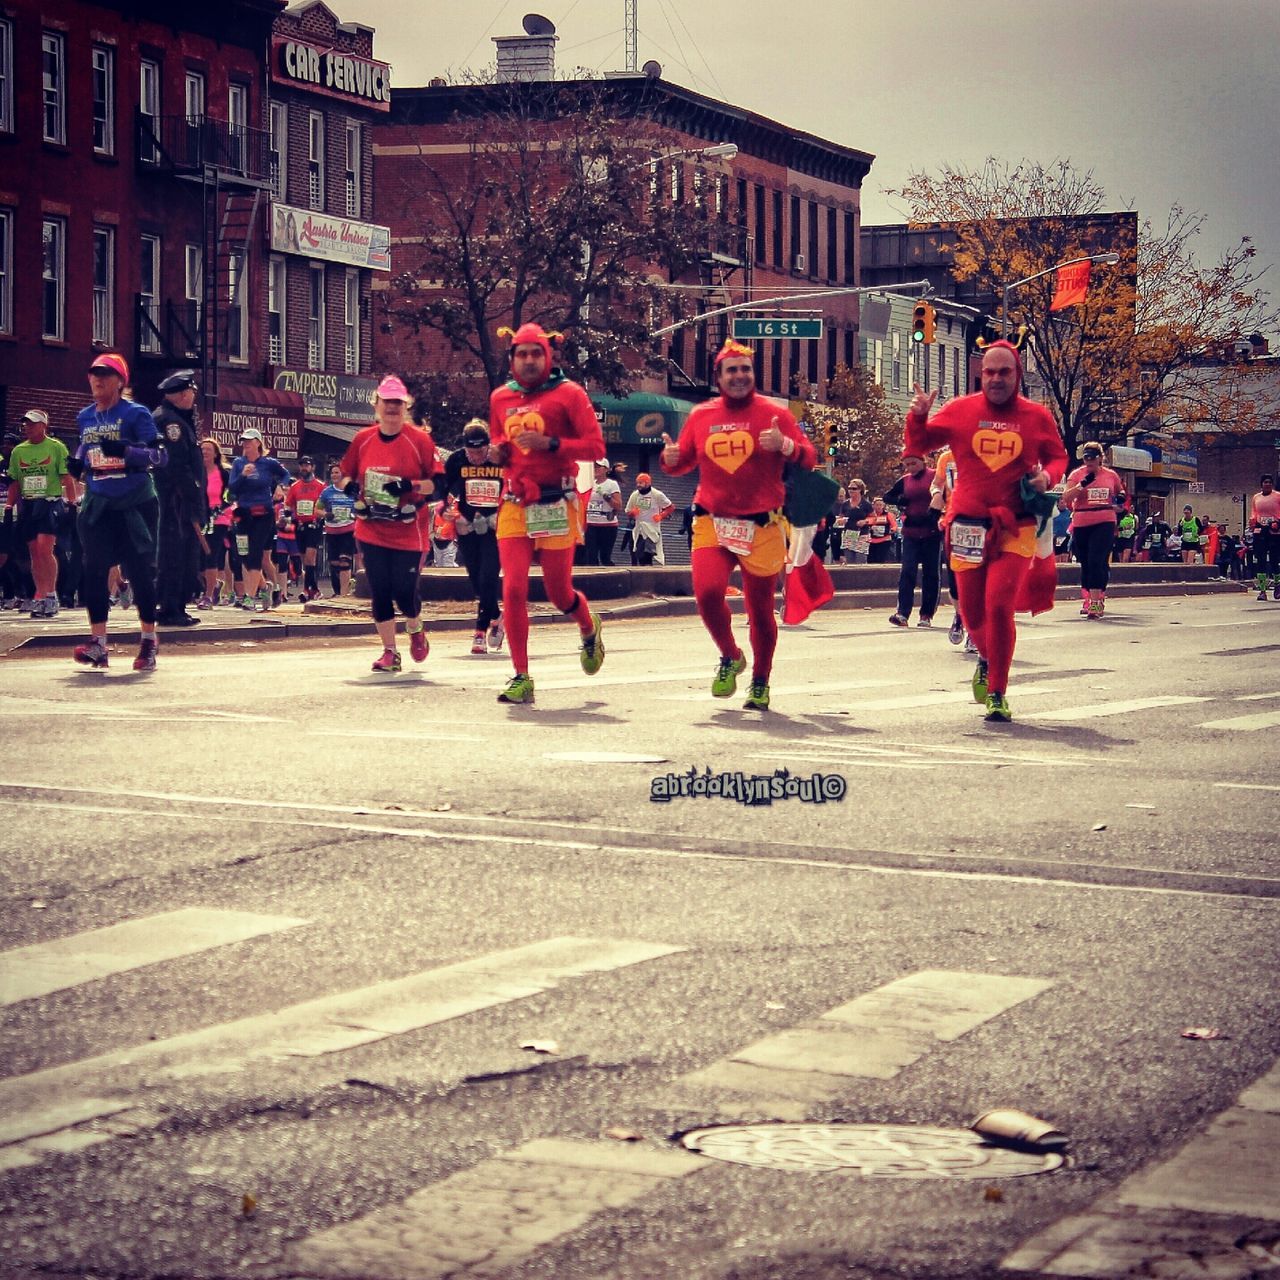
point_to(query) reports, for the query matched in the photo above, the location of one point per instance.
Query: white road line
(873, 1037)
(1229, 1172)
(1248, 786)
(53, 1099)
(486, 1219)
(1256, 697)
(1245, 724)
(1096, 710)
(27, 972)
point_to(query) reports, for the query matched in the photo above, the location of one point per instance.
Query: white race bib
(34, 487)
(546, 519)
(482, 493)
(967, 541)
(306, 506)
(98, 461)
(1098, 495)
(735, 535)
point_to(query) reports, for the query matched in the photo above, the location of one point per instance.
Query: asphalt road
(388, 886)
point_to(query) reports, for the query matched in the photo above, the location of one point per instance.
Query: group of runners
(514, 482)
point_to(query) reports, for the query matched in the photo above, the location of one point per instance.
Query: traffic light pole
(914, 286)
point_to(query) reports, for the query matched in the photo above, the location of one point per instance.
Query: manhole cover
(873, 1150)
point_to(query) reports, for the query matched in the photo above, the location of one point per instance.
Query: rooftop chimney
(531, 56)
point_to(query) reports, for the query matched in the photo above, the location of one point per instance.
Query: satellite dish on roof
(652, 69)
(536, 25)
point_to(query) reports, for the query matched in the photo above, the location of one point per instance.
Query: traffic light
(923, 321)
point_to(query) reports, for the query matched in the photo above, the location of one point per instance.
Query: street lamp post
(1109, 258)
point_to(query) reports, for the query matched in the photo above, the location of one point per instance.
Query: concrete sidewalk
(617, 593)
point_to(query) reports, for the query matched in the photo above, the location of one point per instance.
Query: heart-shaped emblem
(526, 420)
(729, 449)
(997, 448)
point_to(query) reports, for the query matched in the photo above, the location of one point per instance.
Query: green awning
(640, 418)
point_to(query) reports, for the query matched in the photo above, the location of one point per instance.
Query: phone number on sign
(748, 788)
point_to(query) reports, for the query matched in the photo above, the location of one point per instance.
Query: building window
(104, 280)
(193, 295)
(353, 171)
(104, 100)
(315, 319)
(956, 360)
(897, 362)
(149, 111)
(777, 228)
(237, 312)
(942, 367)
(878, 371)
(237, 125)
(149, 295)
(279, 143)
(6, 76)
(315, 159)
(193, 106)
(833, 245)
(848, 348)
(276, 294)
(850, 244)
(6, 271)
(812, 252)
(351, 322)
(53, 279)
(797, 259)
(761, 241)
(53, 63)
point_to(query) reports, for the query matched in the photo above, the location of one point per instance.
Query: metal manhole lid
(872, 1150)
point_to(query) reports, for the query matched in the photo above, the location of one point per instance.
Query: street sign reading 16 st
(775, 327)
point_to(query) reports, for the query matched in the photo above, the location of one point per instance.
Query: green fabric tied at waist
(1042, 506)
(142, 532)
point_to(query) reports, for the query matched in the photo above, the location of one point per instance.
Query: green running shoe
(758, 698)
(592, 654)
(519, 689)
(725, 682)
(980, 682)
(998, 708)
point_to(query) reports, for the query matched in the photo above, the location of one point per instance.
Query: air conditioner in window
(800, 263)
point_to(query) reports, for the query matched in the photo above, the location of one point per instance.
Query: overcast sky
(1167, 101)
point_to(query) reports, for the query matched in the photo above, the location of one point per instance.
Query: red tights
(711, 569)
(516, 555)
(986, 596)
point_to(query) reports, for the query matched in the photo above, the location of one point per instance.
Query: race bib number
(862, 544)
(342, 516)
(546, 519)
(1098, 495)
(242, 545)
(738, 536)
(482, 493)
(967, 541)
(306, 506)
(99, 462)
(849, 540)
(375, 488)
(34, 486)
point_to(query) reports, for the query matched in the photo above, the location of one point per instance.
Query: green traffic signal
(919, 321)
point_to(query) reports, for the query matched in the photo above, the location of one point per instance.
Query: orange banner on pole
(1072, 285)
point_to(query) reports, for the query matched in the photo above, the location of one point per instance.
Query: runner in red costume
(740, 443)
(998, 438)
(541, 426)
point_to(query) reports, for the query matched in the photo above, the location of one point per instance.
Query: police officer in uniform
(183, 503)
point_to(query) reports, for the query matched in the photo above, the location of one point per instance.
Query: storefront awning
(1128, 459)
(277, 414)
(338, 430)
(640, 418)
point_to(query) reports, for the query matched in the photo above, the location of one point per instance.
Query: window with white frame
(193, 294)
(278, 141)
(276, 295)
(149, 295)
(53, 70)
(897, 362)
(104, 282)
(6, 270)
(351, 322)
(53, 279)
(6, 76)
(353, 171)
(193, 110)
(315, 159)
(149, 110)
(104, 100)
(237, 124)
(315, 318)
(237, 310)
(879, 361)
(957, 360)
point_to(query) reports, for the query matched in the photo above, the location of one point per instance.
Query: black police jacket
(182, 477)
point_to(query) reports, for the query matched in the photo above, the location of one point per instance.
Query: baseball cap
(475, 435)
(111, 363)
(644, 478)
(251, 433)
(36, 415)
(603, 462)
(391, 388)
(179, 380)
(306, 461)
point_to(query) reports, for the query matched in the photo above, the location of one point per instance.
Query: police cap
(179, 380)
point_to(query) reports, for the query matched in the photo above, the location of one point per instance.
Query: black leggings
(479, 552)
(393, 581)
(1092, 546)
(107, 542)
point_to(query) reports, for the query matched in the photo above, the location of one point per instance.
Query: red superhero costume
(994, 447)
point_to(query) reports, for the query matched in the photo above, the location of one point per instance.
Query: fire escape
(228, 167)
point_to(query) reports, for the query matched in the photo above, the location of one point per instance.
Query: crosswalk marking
(488, 1218)
(872, 1037)
(1187, 1215)
(59, 1097)
(1245, 724)
(37, 970)
(1093, 710)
